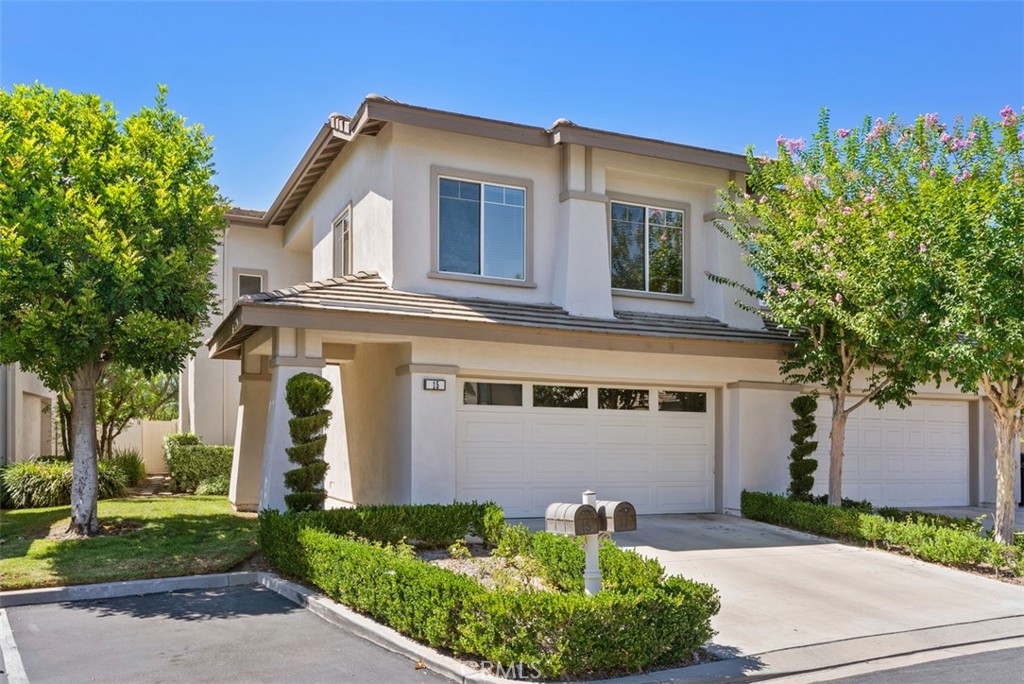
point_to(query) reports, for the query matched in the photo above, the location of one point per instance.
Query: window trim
(438, 172)
(241, 271)
(345, 213)
(654, 203)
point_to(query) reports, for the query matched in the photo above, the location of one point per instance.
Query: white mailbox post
(591, 570)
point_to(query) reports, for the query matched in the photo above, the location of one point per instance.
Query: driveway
(783, 589)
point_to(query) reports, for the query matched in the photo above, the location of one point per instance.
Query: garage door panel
(627, 433)
(661, 461)
(490, 428)
(568, 430)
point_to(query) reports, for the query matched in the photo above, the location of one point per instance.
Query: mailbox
(573, 520)
(616, 516)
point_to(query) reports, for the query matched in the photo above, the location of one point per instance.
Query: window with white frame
(481, 228)
(647, 248)
(248, 284)
(342, 228)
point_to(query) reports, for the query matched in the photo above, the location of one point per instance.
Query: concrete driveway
(811, 601)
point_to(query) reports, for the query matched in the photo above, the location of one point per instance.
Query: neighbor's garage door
(525, 445)
(912, 457)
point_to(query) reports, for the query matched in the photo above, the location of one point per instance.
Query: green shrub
(214, 486)
(307, 395)
(934, 538)
(130, 463)
(801, 466)
(188, 466)
(34, 484)
(640, 622)
(179, 439)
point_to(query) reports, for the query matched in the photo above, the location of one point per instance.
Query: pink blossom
(945, 137)
(925, 164)
(1006, 111)
(795, 286)
(876, 131)
(843, 132)
(808, 182)
(847, 211)
(932, 173)
(841, 274)
(922, 248)
(780, 140)
(839, 297)
(1020, 136)
(827, 267)
(1000, 149)
(892, 234)
(815, 248)
(868, 197)
(782, 291)
(764, 198)
(810, 302)
(839, 239)
(794, 146)
(1009, 116)
(931, 119)
(816, 233)
(973, 135)
(821, 221)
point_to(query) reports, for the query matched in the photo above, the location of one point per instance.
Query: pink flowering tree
(825, 226)
(965, 183)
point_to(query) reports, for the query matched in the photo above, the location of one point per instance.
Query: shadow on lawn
(193, 606)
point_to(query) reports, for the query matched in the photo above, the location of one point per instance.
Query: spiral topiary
(307, 395)
(801, 468)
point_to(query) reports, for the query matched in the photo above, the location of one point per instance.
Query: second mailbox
(616, 516)
(573, 520)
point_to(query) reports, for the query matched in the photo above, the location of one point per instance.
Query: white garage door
(902, 457)
(525, 445)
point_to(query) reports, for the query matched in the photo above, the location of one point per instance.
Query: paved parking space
(238, 634)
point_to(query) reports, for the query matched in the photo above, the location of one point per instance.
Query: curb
(108, 590)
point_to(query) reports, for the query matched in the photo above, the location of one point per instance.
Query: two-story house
(517, 313)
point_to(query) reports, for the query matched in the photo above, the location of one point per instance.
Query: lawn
(142, 538)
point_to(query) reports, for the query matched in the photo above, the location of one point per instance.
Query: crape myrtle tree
(966, 183)
(108, 231)
(825, 226)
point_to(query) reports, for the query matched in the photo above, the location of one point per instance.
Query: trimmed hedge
(641, 619)
(191, 466)
(41, 484)
(933, 538)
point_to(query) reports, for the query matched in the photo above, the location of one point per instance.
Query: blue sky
(263, 76)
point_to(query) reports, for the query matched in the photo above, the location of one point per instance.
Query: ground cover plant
(374, 560)
(957, 542)
(140, 538)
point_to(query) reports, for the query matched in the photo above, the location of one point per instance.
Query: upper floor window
(249, 281)
(343, 243)
(647, 248)
(481, 228)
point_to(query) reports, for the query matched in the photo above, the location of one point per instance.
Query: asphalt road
(240, 634)
(993, 667)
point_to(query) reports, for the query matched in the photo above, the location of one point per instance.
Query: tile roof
(368, 293)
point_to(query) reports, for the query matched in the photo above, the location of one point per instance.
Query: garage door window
(686, 402)
(617, 399)
(492, 394)
(560, 396)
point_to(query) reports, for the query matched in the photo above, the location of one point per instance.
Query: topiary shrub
(801, 467)
(307, 395)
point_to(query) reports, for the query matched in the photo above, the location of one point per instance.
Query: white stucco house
(26, 415)
(518, 313)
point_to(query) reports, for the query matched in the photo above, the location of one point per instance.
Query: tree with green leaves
(108, 232)
(965, 185)
(825, 224)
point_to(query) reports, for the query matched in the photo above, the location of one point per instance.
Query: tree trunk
(1007, 426)
(837, 439)
(84, 485)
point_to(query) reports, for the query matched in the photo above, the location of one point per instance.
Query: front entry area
(527, 444)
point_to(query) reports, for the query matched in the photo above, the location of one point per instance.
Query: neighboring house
(515, 313)
(26, 405)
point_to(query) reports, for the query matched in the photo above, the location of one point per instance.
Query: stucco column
(431, 431)
(250, 430)
(294, 352)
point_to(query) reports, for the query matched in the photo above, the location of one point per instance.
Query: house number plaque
(435, 384)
